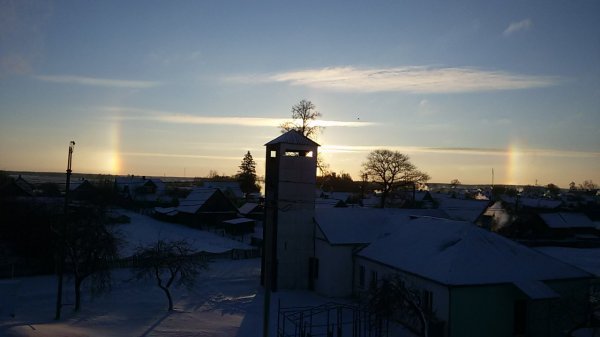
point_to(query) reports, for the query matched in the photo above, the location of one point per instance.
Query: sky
(162, 88)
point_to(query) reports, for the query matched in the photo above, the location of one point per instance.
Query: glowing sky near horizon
(183, 88)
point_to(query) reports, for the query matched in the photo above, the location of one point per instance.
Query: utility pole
(61, 235)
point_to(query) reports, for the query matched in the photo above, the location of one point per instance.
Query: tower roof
(293, 137)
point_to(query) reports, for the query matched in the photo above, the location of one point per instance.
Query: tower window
(298, 153)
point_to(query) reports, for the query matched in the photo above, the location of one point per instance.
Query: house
(476, 282)
(569, 225)
(461, 209)
(239, 226)
(17, 188)
(253, 210)
(231, 189)
(533, 203)
(140, 189)
(340, 232)
(82, 190)
(203, 207)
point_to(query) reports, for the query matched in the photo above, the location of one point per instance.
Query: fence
(330, 320)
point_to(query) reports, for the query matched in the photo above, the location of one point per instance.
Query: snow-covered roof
(459, 253)
(461, 209)
(587, 259)
(293, 137)
(166, 210)
(326, 203)
(567, 220)
(238, 221)
(363, 225)
(225, 186)
(534, 202)
(248, 208)
(196, 199)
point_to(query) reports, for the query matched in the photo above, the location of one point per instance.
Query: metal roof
(293, 137)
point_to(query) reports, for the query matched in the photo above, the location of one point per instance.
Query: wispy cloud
(178, 118)
(463, 150)
(515, 27)
(94, 81)
(412, 79)
(175, 155)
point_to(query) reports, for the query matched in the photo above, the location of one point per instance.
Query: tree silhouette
(89, 246)
(303, 116)
(169, 262)
(247, 174)
(391, 298)
(390, 170)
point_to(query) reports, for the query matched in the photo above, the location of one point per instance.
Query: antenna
(63, 230)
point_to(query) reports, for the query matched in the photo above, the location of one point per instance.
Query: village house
(18, 187)
(478, 283)
(341, 232)
(203, 207)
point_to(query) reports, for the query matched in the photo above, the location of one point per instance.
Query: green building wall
(477, 311)
(489, 310)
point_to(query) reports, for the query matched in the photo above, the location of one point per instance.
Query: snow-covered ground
(226, 301)
(144, 230)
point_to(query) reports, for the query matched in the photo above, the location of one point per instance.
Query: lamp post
(62, 233)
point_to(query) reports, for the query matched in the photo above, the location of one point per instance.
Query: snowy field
(144, 230)
(226, 301)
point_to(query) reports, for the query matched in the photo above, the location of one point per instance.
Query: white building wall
(335, 269)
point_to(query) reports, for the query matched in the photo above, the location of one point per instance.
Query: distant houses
(18, 187)
(140, 190)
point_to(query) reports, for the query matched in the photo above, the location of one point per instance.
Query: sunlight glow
(513, 166)
(114, 161)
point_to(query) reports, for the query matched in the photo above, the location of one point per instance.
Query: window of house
(361, 277)
(427, 300)
(373, 278)
(520, 311)
(273, 154)
(314, 267)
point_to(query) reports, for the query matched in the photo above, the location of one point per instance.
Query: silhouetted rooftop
(293, 137)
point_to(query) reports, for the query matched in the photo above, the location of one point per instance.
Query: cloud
(411, 79)
(178, 118)
(175, 155)
(462, 150)
(515, 27)
(94, 81)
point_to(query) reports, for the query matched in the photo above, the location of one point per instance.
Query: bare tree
(169, 262)
(392, 299)
(454, 183)
(89, 246)
(588, 185)
(391, 169)
(303, 116)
